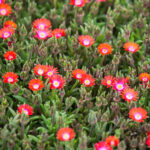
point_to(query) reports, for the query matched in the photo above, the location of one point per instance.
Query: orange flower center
(104, 50)
(86, 42)
(78, 2)
(56, 84)
(66, 136)
(10, 79)
(138, 116)
(36, 86)
(40, 71)
(25, 111)
(87, 82)
(3, 11)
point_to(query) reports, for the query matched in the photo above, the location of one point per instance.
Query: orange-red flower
(78, 3)
(39, 69)
(57, 82)
(10, 55)
(65, 134)
(112, 141)
(58, 33)
(78, 73)
(120, 84)
(50, 71)
(131, 47)
(10, 24)
(87, 80)
(10, 77)
(105, 49)
(6, 32)
(148, 141)
(36, 84)
(86, 40)
(102, 146)
(41, 24)
(2, 1)
(26, 109)
(43, 34)
(101, 0)
(108, 81)
(144, 77)
(5, 9)
(138, 114)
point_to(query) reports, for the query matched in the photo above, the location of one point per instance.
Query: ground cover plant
(74, 74)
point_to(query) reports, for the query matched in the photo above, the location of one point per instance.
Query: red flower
(5, 9)
(56, 82)
(108, 81)
(41, 24)
(65, 134)
(78, 3)
(102, 146)
(87, 80)
(112, 141)
(39, 69)
(78, 73)
(129, 95)
(101, 0)
(36, 84)
(144, 77)
(43, 34)
(6, 32)
(10, 55)
(148, 141)
(10, 24)
(10, 77)
(148, 133)
(138, 114)
(131, 47)
(50, 71)
(86, 40)
(26, 109)
(2, 1)
(104, 49)
(58, 33)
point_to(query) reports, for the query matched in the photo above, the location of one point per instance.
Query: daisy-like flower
(108, 81)
(144, 77)
(43, 34)
(78, 3)
(120, 84)
(10, 24)
(26, 109)
(148, 133)
(100, 0)
(105, 49)
(39, 69)
(57, 82)
(138, 114)
(112, 141)
(6, 32)
(36, 84)
(65, 134)
(78, 73)
(58, 33)
(41, 24)
(102, 146)
(10, 55)
(148, 141)
(87, 80)
(5, 9)
(50, 71)
(2, 1)
(131, 47)
(129, 95)
(86, 40)
(10, 77)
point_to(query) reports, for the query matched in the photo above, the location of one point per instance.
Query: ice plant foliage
(10, 55)
(138, 114)
(6, 32)
(131, 47)
(10, 77)
(36, 84)
(112, 141)
(144, 77)
(40, 69)
(108, 81)
(102, 146)
(78, 3)
(58, 33)
(5, 9)
(105, 49)
(26, 109)
(78, 73)
(87, 80)
(86, 40)
(10, 24)
(50, 71)
(65, 134)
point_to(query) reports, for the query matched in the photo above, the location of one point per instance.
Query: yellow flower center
(42, 34)
(41, 26)
(87, 82)
(104, 50)
(56, 83)
(108, 82)
(10, 79)
(129, 96)
(6, 34)
(50, 73)
(36, 86)
(10, 57)
(66, 136)
(86, 42)
(3, 11)
(138, 116)
(78, 2)
(119, 86)
(145, 79)
(40, 71)
(25, 111)
(78, 76)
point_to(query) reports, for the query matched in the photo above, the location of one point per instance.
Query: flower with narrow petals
(6, 32)
(86, 40)
(78, 73)
(10, 55)
(26, 109)
(10, 77)
(65, 134)
(108, 81)
(78, 3)
(100, 0)
(39, 69)
(2, 1)
(138, 114)
(148, 141)
(112, 141)
(87, 80)
(144, 77)
(57, 82)
(10, 24)
(148, 133)
(131, 47)
(58, 33)
(5, 9)
(50, 71)
(129, 95)
(36, 84)
(43, 34)
(104, 49)
(41, 24)
(102, 146)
